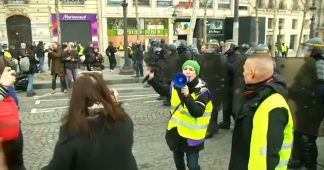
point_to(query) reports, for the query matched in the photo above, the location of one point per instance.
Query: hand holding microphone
(185, 90)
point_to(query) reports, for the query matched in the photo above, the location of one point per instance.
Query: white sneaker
(112, 71)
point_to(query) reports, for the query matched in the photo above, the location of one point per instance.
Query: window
(270, 23)
(155, 23)
(243, 8)
(261, 4)
(209, 3)
(73, 2)
(294, 24)
(15, 2)
(224, 4)
(114, 2)
(164, 3)
(270, 4)
(292, 41)
(295, 5)
(282, 5)
(118, 23)
(142, 2)
(281, 23)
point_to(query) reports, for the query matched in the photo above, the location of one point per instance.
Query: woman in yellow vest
(189, 115)
(262, 136)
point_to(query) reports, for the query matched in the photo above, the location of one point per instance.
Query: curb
(110, 82)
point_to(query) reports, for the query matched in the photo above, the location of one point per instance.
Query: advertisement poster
(182, 28)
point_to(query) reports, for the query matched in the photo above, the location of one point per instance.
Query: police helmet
(229, 44)
(181, 44)
(258, 49)
(315, 46)
(172, 47)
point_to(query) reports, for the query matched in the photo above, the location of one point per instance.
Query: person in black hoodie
(40, 53)
(189, 104)
(96, 133)
(262, 136)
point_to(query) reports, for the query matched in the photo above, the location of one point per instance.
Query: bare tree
(305, 9)
(192, 22)
(274, 23)
(58, 25)
(137, 21)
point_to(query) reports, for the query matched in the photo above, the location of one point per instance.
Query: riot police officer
(212, 71)
(307, 121)
(232, 52)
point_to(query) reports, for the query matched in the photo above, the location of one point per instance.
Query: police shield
(301, 79)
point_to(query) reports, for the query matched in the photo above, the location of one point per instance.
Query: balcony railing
(73, 2)
(13, 2)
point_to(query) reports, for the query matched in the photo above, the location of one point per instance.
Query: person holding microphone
(190, 112)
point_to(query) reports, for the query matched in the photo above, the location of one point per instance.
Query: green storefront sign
(149, 32)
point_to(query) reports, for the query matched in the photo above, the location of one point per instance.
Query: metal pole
(236, 21)
(205, 22)
(311, 31)
(126, 67)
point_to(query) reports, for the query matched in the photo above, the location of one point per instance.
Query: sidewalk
(44, 80)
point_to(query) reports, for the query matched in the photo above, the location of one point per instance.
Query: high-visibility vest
(188, 126)
(284, 48)
(258, 145)
(80, 52)
(7, 55)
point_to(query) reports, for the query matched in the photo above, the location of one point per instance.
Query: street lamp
(126, 69)
(174, 17)
(313, 10)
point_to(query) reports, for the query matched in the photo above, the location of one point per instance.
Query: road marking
(49, 94)
(37, 102)
(35, 110)
(150, 101)
(138, 98)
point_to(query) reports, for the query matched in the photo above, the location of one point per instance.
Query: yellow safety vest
(284, 48)
(258, 145)
(188, 126)
(80, 53)
(7, 54)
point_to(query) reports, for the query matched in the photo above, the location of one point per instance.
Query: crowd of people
(96, 133)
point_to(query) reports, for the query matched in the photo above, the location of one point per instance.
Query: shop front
(156, 28)
(81, 28)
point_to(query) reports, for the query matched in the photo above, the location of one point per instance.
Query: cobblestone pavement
(41, 116)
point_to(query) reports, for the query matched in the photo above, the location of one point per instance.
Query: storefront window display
(164, 3)
(149, 27)
(114, 2)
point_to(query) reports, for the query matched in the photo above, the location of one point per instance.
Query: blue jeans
(30, 88)
(70, 77)
(41, 64)
(192, 160)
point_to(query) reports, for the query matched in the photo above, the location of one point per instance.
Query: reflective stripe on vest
(258, 145)
(188, 126)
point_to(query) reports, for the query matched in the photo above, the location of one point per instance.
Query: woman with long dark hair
(96, 132)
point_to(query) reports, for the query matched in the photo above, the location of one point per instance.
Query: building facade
(34, 20)
(101, 21)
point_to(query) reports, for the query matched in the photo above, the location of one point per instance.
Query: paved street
(41, 120)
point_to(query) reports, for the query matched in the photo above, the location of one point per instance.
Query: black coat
(278, 118)
(107, 149)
